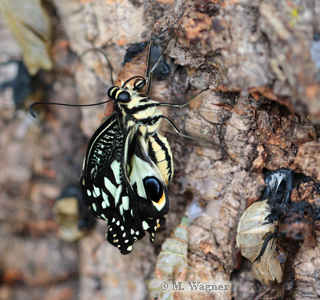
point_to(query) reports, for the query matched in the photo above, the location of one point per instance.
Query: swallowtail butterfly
(128, 165)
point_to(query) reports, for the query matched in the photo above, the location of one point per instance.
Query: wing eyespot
(153, 188)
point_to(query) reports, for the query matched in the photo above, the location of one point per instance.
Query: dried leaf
(30, 25)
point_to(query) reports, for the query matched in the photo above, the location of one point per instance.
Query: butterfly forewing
(99, 168)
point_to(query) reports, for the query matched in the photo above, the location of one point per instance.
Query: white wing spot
(126, 241)
(118, 223)
(94, 206)
(103, 204)
(145, 225)
(124, 234)
(110, 186)
(129, 248)
(105, 198)
(89, 193)
(137, 232)
(122, 228)
(104, 217)
(132, 231)
(113, 220)
(117, 195)
(121, 209)
(115, 167)
(125, 202)
(96, 191)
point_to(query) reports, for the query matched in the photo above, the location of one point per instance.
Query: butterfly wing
(147, 183)
(104, 188)
(122, 185)
(99, 168)
(144, 200)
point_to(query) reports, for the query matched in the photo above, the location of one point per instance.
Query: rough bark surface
(261, 62)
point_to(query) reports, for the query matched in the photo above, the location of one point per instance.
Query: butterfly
(129, 164)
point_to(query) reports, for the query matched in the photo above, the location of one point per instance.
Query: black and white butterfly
(128, 165)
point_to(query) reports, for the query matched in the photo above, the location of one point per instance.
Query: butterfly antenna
(94, 48)
(148, 71)
(62, 104)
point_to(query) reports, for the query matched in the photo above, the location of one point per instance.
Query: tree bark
(260, 60)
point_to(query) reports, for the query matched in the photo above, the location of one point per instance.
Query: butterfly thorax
(141, 111)
(142, 114)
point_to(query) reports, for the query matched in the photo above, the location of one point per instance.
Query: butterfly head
(124, 94)
(119, 94)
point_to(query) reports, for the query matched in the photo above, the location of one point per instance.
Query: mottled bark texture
(260, 60)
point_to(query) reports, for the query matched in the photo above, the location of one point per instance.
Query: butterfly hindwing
(148, 185)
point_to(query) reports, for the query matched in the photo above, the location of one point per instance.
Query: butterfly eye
(139, 84)
(153, 188)
(123, 97)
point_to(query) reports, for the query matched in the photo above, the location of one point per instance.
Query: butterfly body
(127, 167)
